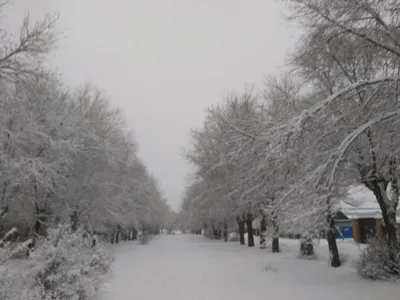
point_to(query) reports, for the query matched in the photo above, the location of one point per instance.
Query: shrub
(307, 250)
(233, 237)
(143, 238)
(376, 262)
(9, 250)
(64, 266)
(70, 267)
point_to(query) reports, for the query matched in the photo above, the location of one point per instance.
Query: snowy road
(185, 267)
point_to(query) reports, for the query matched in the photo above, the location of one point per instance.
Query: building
(358, 216)
(361, 209)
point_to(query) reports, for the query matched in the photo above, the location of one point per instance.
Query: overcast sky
(164, 61)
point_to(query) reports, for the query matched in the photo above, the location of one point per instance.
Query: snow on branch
(347, 142)
(298, 121)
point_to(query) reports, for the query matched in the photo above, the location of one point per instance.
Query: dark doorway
(367, 229)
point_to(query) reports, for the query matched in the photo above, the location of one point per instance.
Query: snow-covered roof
(360, 202)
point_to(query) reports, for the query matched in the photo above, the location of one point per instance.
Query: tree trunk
(3, 206)
(241, 230)
(275, 240)
(250, 232)
(333, 249)
(263, 231)
(389, 219)
(94, 240)
(275, 245)
(74, 221)
(225, 231)
(393, 246)
(118, 234)
(40, 213)
(391, 229)
(38, 227)
(216, 233)
(112, 237)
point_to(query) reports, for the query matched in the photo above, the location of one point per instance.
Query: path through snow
(186, 267)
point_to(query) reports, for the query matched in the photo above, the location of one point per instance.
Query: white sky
(164, 61)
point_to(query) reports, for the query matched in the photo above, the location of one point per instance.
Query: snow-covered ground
(188, 267)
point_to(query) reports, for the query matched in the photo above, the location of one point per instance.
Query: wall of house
(357, 229)
(345, 227)
(347, 232)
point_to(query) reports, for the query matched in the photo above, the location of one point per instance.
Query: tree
(356, 60)
(22, 57)
(67, 161)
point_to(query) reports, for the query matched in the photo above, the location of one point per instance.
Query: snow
(182, 267)
(361, 196)
(360, 202)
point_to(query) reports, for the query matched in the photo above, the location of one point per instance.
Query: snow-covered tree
(349, 59)
(68, 164)
(230, 155)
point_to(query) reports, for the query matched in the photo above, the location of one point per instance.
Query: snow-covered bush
(68, 267)
(376, 262)
(213, 233)
(63, 266)
(8, 290)
(143, 238)
(7, 251)
(233, 237)
(307, 249)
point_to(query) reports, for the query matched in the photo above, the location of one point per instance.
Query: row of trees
(70, 176)
(287, 153)
(66, 155)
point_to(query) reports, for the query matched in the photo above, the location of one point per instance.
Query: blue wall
(347, 233)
